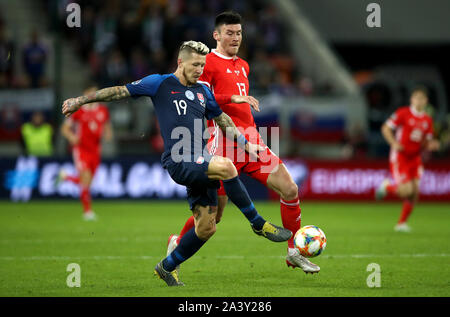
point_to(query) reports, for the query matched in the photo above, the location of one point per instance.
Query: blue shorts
(200, 189)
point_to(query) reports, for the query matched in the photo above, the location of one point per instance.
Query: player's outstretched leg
(282, 183)
(190, 243)
(408, 206)
(223, 168)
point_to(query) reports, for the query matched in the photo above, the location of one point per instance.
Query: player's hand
(252, 101)
(397, 146)
(70, 106)
(254, 149)
(433, 145)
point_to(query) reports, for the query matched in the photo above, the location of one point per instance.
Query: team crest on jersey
(201, 98)
(200, 160)
(237, 72)
(189, 95)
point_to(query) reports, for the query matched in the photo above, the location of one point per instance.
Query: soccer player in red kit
(227, 76)
(84, 131)
(413, 133)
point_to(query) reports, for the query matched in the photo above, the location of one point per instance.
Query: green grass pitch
(117, 253)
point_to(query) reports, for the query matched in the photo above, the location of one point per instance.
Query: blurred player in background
(84, 131)
(413, 134)
(227, 76)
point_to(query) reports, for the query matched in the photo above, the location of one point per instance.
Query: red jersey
(412, 130)
(89, 127)
(227, 76)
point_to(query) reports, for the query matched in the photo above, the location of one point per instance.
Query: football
(310, 241)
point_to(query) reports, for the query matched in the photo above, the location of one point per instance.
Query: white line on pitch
(232, 257)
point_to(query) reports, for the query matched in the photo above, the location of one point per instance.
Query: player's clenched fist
(70, 106)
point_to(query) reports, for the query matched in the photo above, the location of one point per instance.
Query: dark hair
(421, 89)
(228, 17)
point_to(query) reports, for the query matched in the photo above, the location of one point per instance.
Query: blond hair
(190, 47)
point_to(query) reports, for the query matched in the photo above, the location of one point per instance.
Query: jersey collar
(223, 56)
(416, 113)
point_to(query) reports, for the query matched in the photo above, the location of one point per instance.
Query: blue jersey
(180, 111)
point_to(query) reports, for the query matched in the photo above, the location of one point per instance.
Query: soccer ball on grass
(310, 241)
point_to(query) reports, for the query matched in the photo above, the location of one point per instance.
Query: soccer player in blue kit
(181, 104)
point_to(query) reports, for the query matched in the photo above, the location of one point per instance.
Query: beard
(189, 81)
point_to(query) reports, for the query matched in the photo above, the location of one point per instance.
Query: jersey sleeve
(147, 86)
(212, 108)
(222, 99)
(207, 77)
(396, 119)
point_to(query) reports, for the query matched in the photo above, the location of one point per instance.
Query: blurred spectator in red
(35, 60)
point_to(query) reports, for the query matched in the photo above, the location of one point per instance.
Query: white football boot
(402, 227)
(89, 216)
(381, 191)
(295, 259)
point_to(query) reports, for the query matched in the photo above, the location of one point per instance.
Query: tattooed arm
(106, 94)
(228, 127)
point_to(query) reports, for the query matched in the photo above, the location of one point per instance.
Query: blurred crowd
(124, 41)
(33, 59)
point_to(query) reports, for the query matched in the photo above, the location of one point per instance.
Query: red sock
(85, 198)
(406, 211)
(73, 179)
(187, 226)
(291, 217)
(391, 190)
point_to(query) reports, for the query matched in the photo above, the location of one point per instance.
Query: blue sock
(239, 196)
(189, 244)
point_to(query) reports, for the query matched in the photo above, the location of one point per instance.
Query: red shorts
(259, 169)
(405, 169)
(85, 160)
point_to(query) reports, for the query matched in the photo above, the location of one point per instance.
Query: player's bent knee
(290, 192)
(206, 232)
(405, 190)
(228, 169)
